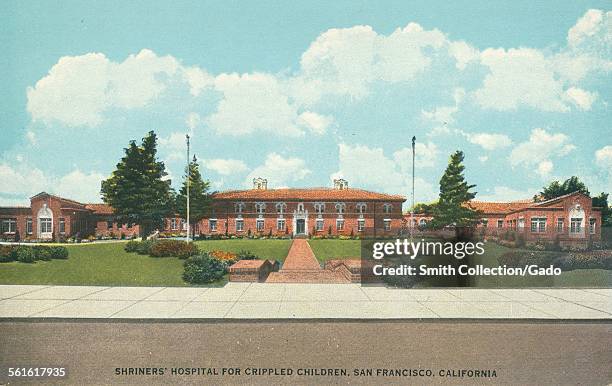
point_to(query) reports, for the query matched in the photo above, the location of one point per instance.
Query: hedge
(176, 248)
(29, 254)
(202, 269)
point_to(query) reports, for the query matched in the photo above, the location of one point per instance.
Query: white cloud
(279, 171)
(425, 155)
(544, 168)
(198, 80)
(26, 181)
(79, 89)
(603, 157)
(174, 146)
(538, 151)
(590, 24)
(317, 123)
(192, 121)
(31, 137)
(483, 158)
(369, 168)
(489, 141)
(504, 193)
(253, 102)
(581, 98)
(226, 166)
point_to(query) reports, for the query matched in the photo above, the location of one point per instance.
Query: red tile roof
(499, 207)
(100, 208)
(309, 194)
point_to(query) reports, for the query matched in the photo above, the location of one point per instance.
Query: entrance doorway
(300, 227)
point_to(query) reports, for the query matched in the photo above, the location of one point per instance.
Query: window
(300, 207)
(260, 207)
(538, 224)
(575, 225)
(387, 208)
(173, 224)
(340, 207)
(212, 225)
(319, 207)
(560, 225)
(239, 225)
(29, 226)
(485, 222)
(422, 222)
(109, 224)
(280, 224)
(239, 207)
(281, 207)
(62, 225)
(521, 223)
(319, 225)
(339, 225)
(361, 207)
(500, 223)
(592, 226)
(45, 225)
(9, 225)
(360, 225)
(387, 224)
(259, 225)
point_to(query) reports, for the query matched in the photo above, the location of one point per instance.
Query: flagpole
(412, 207)
(188, 183)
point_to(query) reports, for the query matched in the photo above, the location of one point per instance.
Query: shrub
(144, 247)
(520, 258)
(591, 260)
(42, 252)
(60, 253)
(176, 248)
(203, 269)
(7, 253)
(131, 246)
(25, 254)
(246, 255)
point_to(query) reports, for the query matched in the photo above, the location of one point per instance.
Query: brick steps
(307, 276)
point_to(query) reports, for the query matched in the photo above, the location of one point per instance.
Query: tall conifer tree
(199, 197)
(137, 189)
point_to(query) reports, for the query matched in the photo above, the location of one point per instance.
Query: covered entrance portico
(300, 221)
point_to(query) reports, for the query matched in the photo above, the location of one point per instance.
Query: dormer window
(387, 208)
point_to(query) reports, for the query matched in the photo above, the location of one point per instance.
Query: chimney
(340, 184)
(260, 183)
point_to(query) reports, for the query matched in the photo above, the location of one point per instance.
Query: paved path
(300, 257)
(305, 301)
(302, 266)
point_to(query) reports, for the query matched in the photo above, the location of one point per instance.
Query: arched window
(319, 207)
(281, 207)
(239, 207)
(361, 207)
(340, 207)
(422, 222)
(260, 207)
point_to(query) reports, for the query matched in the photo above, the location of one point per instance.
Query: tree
(454, 194)
(556, 189)
(137, 190)
(199, 198)
(601, 201)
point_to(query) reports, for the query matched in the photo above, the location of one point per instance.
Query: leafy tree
(199, 198)
(137, 189)
(601, 201)
(424, 208)
(556, 189)
(454, 194)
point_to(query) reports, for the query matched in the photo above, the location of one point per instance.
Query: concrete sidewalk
(306, 301)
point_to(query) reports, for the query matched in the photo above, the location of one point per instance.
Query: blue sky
(301, 94)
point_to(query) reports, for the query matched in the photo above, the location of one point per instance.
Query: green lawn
(265, 249)
(109, 264)
(97, 264)
(326, 249)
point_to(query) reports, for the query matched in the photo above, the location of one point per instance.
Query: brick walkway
(301, 266)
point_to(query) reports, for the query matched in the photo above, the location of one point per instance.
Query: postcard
(212, 192)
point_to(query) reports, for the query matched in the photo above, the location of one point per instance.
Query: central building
(302, 212)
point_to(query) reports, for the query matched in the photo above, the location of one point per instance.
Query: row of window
(281, 225)
(538, 224)
(319, 207)
(45, 224)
